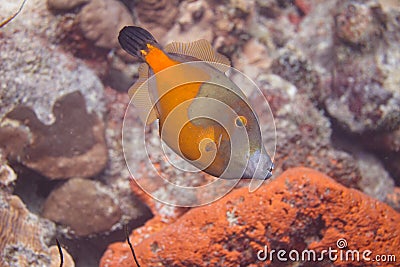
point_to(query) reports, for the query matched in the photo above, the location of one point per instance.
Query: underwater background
(330, 71)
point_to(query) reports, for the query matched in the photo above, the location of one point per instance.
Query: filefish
(203, 115)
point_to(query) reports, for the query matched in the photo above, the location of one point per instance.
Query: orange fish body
(203, 116)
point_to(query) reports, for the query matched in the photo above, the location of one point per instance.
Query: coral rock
(24, 236)
(254, 60)
(301, 209)
(303, 132)
(387, 145)
(85, 206)
(55, 257)
(193, 23)
(314, 37)
(119, 250)
(295, 68)
(269, 9)
(363, 96)
(375, 181)
(73, 145)
(383, 141)
(391, 162)
(7, 177)
(358, 23)
(36, 75)
(65, 5)
(156, 12)
(116, 176)
(304, 5)
(349, 43)
(101, 21)
(393, 199)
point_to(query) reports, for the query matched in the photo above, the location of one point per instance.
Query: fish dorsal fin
(200, 49)
(141, 99)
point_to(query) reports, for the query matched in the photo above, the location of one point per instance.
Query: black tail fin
(133, 39)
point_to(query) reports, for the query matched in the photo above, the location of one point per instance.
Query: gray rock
(303, 133)
(35, 74)
(7, 177)
(73, 145)
(101, 21)
(24, 236)
(65, 5)
(86, 207)
(363, 97)
(375, 182)
(39, 126)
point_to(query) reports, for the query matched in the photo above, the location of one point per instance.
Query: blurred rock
(165, 213)
(157, 13)
(69, 37)
(294, 67)
(73, 145)
(24, 236)
(301, 209)
(269, 8)
(115, 180)
(192, 23)
(304, 138)
(375, 181)
(350, 42)
(101, 21)
(117, 251)
(117, 174)
(353, 47)
(391, 161)
(387, 146)
(383, 141)
(304, 6)
(86, 207)
(359, 23)
(303, 132)
(65, 5)
(36, 76)
(362, 97)
(55, 257)
(393, 199)
(314, 36)
(254, 60)
(7, 177)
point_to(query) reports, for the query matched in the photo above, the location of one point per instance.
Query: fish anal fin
(200, 49)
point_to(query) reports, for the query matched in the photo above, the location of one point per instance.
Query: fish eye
(241, 121)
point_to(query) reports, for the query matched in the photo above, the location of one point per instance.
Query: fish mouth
(259, 166)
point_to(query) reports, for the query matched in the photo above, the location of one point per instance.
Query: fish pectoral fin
(200, 49)
(139, 92)
(143, 72)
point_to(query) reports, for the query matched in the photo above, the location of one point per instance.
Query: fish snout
(259, 166)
